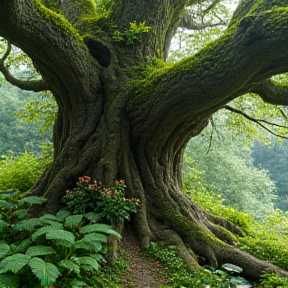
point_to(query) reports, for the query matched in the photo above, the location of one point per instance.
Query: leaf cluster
(131, 35)
(56, 249)
(109, 202)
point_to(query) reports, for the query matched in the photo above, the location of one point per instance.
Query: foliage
(20, 173)
(230, 173)
(110, 203)
(273, 281)
(171, 268)
(41, 112)
(131, 35)
(55, 249)
(15, 133)
(266, 240)
(274, 159)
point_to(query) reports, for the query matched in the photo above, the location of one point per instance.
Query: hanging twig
(257, 121)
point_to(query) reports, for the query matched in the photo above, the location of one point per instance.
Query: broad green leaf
(100, 228)
(47, 273)
(20, 214)
(95, 237)
(9, 281)
(88, 263)
(62, 242)
(92, 216)
(52, 223)
(61, 235)
(48, 217)
(73, 220)
(3, 225)
(33, 200)
(23, 246)
(4, 204)
(28, 225)
(92, 246)
(62, 214)
(14, 263)
(41, 231)
(70, 265)
(40, 250)
(4, 250)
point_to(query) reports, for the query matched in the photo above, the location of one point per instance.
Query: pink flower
(68, 192)
(118, 182)
(84, 179)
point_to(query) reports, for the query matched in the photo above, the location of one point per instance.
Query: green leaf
(28, 225)
(100, 228)
(73, 220)
(40, 250)
(33, 200)
(47, 273)
(14, 263)
(70, 265)
(75, 283)
(23, 246)
(20, 214)
(3, 225)
(52, 223)
(4, 204)
(41, 231)
(62, 214)
(92, 216)
(95, 237)
(88, 263)
(48, 217)
(9, 281)
(92, 246)
(61, 234)
(4, 249)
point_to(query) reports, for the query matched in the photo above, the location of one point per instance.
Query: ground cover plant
(52, 249)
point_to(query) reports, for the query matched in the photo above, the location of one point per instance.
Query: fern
(70, 266)
(14, 263)
(40, 250)
(4, 204)
(73, 220)
(47, 273)
(100, 228)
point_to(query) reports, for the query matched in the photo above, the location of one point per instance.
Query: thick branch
(35, 86)
(54, 46)
(199, 86)
(272, 93)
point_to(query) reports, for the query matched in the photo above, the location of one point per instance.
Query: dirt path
(142, 271)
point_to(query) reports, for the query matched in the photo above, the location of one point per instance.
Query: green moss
(58, 20)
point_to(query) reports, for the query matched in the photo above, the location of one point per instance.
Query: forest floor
(143, 271)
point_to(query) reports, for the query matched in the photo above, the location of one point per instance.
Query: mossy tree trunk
(114, 123)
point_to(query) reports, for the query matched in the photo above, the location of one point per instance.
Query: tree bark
(114, 123)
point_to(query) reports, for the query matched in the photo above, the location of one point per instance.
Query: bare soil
(143, 271)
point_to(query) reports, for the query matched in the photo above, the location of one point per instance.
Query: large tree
(118, 118)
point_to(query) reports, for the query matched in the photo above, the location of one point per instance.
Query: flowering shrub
(109, 202)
